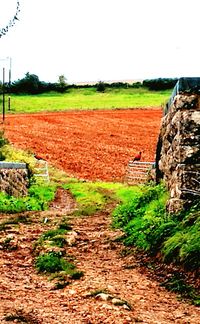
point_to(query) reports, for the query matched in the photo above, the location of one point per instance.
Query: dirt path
(23, 291)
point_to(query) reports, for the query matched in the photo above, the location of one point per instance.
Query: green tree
(101, 86)
(62, 83)
(29, 84)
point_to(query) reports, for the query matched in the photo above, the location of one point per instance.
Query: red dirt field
(93, 145)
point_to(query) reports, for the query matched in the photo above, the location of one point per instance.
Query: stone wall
(14, 178)
(178, 151)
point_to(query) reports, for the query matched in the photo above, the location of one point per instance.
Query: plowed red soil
(88, 144)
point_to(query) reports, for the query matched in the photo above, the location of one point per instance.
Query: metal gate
(140, 172)
(41, 170)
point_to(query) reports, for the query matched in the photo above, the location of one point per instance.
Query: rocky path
(109, 291)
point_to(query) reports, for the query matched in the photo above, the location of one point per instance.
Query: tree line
(31, 84)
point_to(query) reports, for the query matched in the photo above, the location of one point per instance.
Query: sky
(101, 40)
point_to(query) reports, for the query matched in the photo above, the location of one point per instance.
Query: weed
(49, 262)
(38, 199)
(4, 227)
(61, 284)
(127, 251)
(76, 274)
(64, 225)
(3, 142)
(184, 247)
(58, 241)
(52, 233)
(173, 245)
(53, 262)
(61, 280)
(176, 283)
(53, 237)
(8, 245)
(39, 193)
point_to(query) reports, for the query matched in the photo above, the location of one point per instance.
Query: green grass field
(89, 98)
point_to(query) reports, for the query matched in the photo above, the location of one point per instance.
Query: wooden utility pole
(9, 86)
(3, 92)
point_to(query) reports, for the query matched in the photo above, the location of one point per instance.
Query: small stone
(71, 237)
(10, 237)
(125, 306)
(111, 289)
(107, 306)
(103, 296)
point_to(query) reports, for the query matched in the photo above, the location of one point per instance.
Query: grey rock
(179, 157)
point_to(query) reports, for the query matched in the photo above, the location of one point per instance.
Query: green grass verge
(92, 197)
(38, 198)
(88, 99)
(149, 227)
(176, 238)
